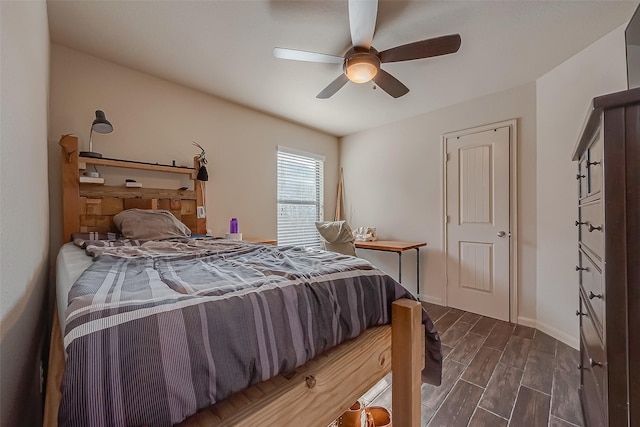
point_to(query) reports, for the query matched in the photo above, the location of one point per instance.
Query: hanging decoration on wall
(203, 175)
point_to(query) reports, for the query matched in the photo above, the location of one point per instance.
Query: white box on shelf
(92, 180)
(234, 236)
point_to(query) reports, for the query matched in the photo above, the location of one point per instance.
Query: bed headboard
(91, 207)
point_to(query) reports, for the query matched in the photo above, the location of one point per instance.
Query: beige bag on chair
(338, 237)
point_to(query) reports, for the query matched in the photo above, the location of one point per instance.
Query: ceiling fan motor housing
(361, 65)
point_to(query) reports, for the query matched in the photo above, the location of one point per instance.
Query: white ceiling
(224, 48)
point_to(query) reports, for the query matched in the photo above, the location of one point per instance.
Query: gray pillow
(147, 224)
(338, 237)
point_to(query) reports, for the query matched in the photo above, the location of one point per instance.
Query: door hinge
(448, 219)
(448, 156)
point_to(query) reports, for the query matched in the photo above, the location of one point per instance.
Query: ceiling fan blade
(390, 84)
(362, 20)
(422, 49)
(333, 87)
(303, 55)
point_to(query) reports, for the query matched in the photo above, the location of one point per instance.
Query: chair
(337, 236)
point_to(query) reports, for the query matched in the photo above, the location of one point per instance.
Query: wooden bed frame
(314, 394)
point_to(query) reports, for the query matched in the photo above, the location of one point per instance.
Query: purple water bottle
(233, 226)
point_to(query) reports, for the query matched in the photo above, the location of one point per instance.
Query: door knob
(501, 234)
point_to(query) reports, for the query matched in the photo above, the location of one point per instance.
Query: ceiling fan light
(361, 68)
(362, 72)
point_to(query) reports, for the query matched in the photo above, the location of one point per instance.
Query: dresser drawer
(594, 166)
(593, 354)
(593, 405)
(591, 228)
(592, 286)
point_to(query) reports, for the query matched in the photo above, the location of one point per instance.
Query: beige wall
(155, 121)
(393, 181)
(563, 97)
(24, 208)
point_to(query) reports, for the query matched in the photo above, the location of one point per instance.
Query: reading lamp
(100, 125)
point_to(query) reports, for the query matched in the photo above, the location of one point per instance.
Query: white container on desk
(234, 236)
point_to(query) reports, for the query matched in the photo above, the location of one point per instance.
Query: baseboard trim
(432, 300)
(569, 340)
(527, 321)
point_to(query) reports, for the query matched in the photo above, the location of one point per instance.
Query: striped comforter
(156, 332)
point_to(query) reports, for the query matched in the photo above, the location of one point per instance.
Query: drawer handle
(580, 367)
(578, 268)
(592, 295)
(592, 228)
(579, 313)
(578, 223)
(589, 164)
(594, 363)
(578, 176)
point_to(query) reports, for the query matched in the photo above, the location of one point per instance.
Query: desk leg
(400, 267)
(418, 272)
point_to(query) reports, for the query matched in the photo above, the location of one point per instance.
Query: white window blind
(300, 197)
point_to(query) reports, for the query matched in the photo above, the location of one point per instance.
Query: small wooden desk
(398, 247)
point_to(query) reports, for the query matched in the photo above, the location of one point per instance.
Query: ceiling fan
(362, 62)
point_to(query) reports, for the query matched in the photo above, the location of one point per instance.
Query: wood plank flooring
(495, 374)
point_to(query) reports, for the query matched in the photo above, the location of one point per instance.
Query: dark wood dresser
(608, 223)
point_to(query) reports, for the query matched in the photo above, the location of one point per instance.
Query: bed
(299, 379)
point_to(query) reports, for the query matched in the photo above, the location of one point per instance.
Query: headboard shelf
(100, 191)
(91, 207)
(132, 164)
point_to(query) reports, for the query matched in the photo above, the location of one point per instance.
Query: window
(300, 201)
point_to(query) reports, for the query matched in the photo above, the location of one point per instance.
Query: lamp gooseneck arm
(91, 140)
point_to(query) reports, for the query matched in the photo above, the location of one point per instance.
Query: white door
(477, 173)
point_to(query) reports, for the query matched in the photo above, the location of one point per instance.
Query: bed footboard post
(406, 360)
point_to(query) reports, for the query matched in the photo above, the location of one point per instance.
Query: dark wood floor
(495, 374)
